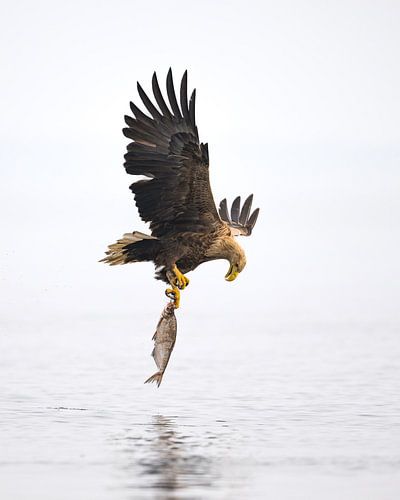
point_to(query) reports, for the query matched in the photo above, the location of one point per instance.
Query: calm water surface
(259, 411)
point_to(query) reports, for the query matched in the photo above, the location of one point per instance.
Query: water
(260, 410)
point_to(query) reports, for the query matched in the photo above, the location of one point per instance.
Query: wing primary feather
(159, 97)
(184, 101)
(204, 148)
(253, 219)
(223, 211)
(171, 95)
(141, 138)
(129, 120)
(192, 109)
(139, 114)
(244, 214)
(149, 105)
(235, 209)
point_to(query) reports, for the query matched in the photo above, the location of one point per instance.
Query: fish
(164, 342)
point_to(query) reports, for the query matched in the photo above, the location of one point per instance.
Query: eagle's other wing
(240, 222)
(177, 196)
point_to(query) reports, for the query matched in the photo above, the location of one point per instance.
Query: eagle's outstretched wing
(177, 196)
(239, 220)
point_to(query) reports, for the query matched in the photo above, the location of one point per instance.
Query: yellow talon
(178, 282)
(175, 295)
(181, 281)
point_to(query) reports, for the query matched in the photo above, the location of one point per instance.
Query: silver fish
(164, 341)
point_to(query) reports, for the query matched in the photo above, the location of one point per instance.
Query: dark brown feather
(149, 105)
(159, 97)
(177, 197)
(239, 220)
(235, 209)
(192, 110)
(244, 213)
(171, 95)
(183, 95)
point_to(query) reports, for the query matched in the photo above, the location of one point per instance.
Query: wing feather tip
(183, 97)
(246, 208)
(235, 209)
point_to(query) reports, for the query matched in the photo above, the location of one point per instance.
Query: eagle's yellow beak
(232, 273)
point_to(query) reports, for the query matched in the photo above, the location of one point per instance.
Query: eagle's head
(225, 247)
(237, 261)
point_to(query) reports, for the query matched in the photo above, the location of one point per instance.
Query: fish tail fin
(132, 247)
(157, 377)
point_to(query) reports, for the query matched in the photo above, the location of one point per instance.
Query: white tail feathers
(115, 253)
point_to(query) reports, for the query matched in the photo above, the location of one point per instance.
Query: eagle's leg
(174, 294)
(178, 282)
(176, 278)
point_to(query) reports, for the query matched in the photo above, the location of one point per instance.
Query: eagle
(174, 194)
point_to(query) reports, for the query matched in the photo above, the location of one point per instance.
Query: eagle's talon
(175, 295)
(179, 279)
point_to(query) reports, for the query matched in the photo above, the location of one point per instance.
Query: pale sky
(299, 102)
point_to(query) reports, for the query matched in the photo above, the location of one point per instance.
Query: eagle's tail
(132, 247)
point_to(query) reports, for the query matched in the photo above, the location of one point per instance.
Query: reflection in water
(167, 459)
(318, 408)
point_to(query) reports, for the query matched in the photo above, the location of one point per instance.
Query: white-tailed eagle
(176, 198)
